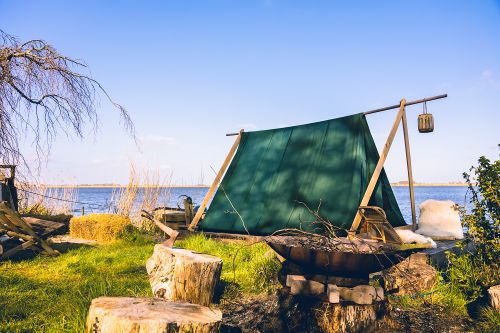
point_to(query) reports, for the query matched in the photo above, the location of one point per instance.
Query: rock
(494, 295)
(346, 282)
(150, 315)
(363, 295)
(179, 274)
(300, 286)
(412, 275)
(333, 294)
(290, 278)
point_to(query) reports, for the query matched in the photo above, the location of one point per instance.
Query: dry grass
(143, 192)
(99, 227)
(40, 199)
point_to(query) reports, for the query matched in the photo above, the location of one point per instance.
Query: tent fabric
(277, 175)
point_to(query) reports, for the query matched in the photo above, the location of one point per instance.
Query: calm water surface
(98, 199)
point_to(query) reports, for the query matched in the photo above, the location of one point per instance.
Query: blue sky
(190, 71)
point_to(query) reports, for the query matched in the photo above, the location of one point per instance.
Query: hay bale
(98, 227)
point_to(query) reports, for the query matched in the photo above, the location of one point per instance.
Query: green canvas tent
(276, 173)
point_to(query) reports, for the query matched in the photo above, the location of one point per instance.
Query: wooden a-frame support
(401, 116)
(216, 182)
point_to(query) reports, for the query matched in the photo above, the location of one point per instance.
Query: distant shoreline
(207, 186)
(431, 185)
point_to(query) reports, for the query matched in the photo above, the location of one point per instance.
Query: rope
(66, 200)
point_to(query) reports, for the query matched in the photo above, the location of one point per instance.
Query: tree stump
(351, 318)
(183, 275)
(411, 276)
(494, 293)
(150, 315)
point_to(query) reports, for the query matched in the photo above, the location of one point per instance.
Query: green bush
(473, 273)
(99, 227)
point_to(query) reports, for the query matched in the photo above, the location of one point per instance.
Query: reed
(44, 200)
(142, 192)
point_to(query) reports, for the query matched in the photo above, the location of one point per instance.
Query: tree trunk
(150, 315)
(351, 318)
(179, 274)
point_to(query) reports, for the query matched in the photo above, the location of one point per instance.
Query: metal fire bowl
(345, 264)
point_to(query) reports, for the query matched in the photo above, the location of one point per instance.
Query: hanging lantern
(425, 121)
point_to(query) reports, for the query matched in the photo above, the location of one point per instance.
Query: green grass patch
(53, 294)
(248, 268)
(46, 294)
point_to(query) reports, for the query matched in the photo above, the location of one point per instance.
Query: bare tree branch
(43, 92)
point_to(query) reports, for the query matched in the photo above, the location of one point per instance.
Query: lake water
(98, 199)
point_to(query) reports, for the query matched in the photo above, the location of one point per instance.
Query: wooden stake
(410, 173)
(378, 168)
(216, 182)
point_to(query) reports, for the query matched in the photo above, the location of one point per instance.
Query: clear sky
(190, 71)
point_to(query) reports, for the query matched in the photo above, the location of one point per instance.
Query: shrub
(473, 273)
(99, 227)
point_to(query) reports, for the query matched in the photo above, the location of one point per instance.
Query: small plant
(99, 227)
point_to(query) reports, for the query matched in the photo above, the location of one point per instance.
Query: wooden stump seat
(150, 315)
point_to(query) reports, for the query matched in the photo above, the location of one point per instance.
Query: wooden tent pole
(378, 168)
(216, 182)
(410, 173)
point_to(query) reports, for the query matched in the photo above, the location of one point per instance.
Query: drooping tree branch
(43, 92)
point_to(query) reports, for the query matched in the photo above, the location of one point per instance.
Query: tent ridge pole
(216, 182)
(378, 168)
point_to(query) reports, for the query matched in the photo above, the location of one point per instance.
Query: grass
(53, 294)
(251, 268)
(45, 294)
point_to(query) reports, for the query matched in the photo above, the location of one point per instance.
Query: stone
(150, 315)
(411, 276)
(494, 296)
(182, 275)
(300, 286)
(362, 295)
(333, 294)
(290, 278)
(346, 282)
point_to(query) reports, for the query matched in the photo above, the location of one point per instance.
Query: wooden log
(23, 246)
(494, 295)
(179, 274)
(148, 315)
(351, 318)
(14, 217)
(413, 275)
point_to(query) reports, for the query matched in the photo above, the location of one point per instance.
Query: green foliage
(473, 273)
(442, 295)
(252, 268)
(35, 209)
(47, 294)
(483, 222)
(134, 235)
(99, 227)
(489, 320)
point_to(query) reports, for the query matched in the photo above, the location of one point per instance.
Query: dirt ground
(281, 312)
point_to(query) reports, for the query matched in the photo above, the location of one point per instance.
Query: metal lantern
(425, 121)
